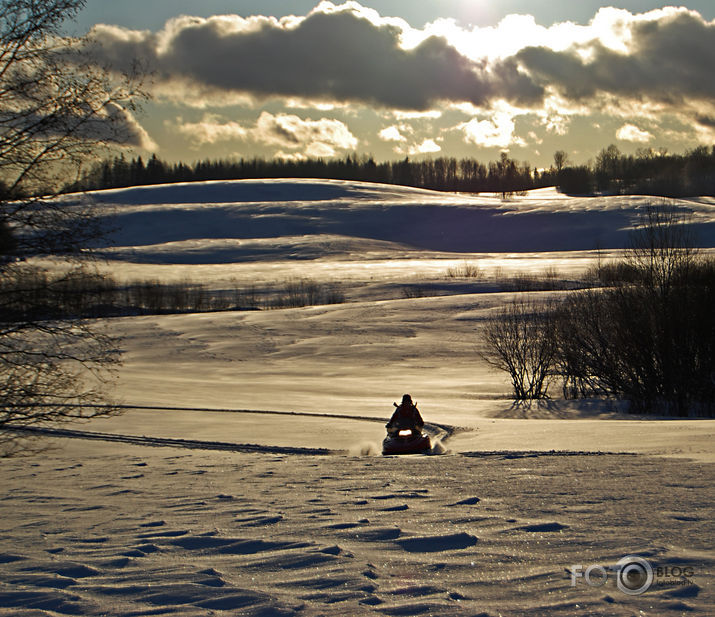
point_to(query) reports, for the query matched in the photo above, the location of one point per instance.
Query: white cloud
(535, 138)
(290, 156)
(211, 130)
(301, 103)
(428, 146)
(431, 114)
(391, 133)
(496, 132)
(323, 137)
(291, 131)
(630, 132)
(320, 149)
(511, 34)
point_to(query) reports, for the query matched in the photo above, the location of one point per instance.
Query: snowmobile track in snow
(441, 431)
(195, 444)
(445, 427)
(163, 442)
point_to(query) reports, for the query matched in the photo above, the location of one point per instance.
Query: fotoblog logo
(634, 575)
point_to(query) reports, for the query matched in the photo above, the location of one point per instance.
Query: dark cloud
(704, 120)
(338, 55)
(112, 124)
(341, 55)
(670, 59)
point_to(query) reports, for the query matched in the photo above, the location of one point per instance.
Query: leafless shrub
(305, 292)
(611, 273)
(649, 337)
(413, 291)
(520, 341)
(465, 270)
(550, 280)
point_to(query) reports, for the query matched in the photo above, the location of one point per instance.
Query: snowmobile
(406, 441)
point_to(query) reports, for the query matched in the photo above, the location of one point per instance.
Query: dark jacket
(406, 416)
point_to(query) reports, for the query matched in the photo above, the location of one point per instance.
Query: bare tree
(57, 107)
(663, 248)
(519, 341)
(560, 158)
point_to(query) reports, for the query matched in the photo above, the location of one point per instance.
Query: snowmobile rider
(406, 416)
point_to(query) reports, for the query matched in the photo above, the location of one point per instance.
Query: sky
(464, 78)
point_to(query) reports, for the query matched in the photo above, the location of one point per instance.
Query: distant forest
(647, 172)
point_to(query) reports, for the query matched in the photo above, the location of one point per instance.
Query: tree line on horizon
(648, 172)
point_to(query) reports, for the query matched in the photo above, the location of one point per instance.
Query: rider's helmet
(407, 399)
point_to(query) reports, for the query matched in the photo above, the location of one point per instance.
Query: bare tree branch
(58, 112)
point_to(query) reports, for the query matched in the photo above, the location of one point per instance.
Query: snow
(262, 223)
(90, 529)
(244, 477)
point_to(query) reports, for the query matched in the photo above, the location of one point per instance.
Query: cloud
(289, 131)
(391, 133)
(665, 56)
(399, 114)
(428, 146)
(340, 53)
(320, 138)
(111, 124)
(705, 120)
(630, 132)
(409, 145)
(348, 53)
(497, 132)
(211, 130)
(124, 129)
(653, 69)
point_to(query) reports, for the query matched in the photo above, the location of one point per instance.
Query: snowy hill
(248, 220)
(379, 243)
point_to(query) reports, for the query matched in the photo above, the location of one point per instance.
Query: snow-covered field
(125, 530)
(174, 509)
